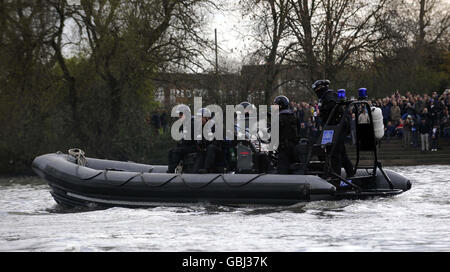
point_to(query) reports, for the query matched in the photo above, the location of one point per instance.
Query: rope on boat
(243, 184)
(201, 186)
(78, 154)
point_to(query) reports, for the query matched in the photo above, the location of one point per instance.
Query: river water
(418, 220)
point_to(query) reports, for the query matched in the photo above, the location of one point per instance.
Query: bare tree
(270, 35)
(419, 33)
(433, 20)
(330, 32)
(319, 37)
(129, 41)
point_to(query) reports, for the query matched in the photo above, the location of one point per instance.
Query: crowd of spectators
(420, 120)
(308, 116)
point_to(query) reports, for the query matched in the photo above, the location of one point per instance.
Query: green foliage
(406, 71)
(97, 100)
(38, 121)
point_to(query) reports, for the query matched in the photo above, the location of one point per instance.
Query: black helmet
(244, 104)
(281, 101)
(320, 85)
(247, 107)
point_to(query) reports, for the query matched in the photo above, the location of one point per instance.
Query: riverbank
(393, 153)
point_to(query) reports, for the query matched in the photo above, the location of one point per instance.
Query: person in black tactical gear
(245, 104)
(230, 144)
(328, 98)
(211, 151)
(260, 160)
(288, 126)
(246, 117)
(185, 146)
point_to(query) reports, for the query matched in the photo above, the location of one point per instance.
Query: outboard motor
(244, 159)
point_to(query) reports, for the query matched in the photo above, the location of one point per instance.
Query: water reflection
(417, 220)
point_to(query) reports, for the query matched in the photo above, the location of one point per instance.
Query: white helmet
(182, 108)
(203, 112)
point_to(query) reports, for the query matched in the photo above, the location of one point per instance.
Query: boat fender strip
(240, 185)
(199, 187)
(88, 178)
(159, 185)
(139, 174)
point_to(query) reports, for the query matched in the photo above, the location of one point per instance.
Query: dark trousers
(208, 159)
(212, 155)
(434, 142)
(177, 154)
(339, 159)
(415, 138)
(286, 157)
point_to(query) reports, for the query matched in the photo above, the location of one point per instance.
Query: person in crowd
(419, 105)
(304, 131)
(407, 131)
(328, 99)
(435, 138)
(395, 113)
(409, 110)
(424, 130)
(403, 107)
(447, 101)
(435, 111)
(292, 106)
(306, 112)
(386, 111)
(445, 124)
(425, 115)
(415, 133)
(399, 129)
(314, 131)
(300, 113)
(353, 128)
(389, 131)
(363, 117)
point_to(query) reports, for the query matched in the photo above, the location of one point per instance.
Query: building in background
(231, 88)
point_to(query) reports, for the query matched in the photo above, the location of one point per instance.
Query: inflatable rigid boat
(106, 183)
(76, 181)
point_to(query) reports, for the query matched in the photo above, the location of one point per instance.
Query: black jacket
(289, 127)
(327, 101)
(424, 128)
(204, 143)
(185, 142)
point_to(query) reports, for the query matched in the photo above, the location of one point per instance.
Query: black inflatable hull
(105, 183)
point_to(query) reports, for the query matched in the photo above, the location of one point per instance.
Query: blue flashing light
(341, 94)
(362, 93)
